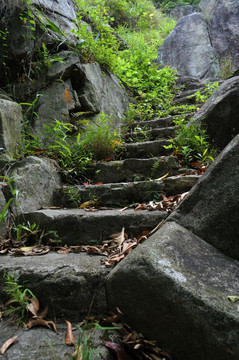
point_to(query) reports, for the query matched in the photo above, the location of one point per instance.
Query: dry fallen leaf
(43, 313)
(118, 350)
(8, 343)
(69, 338)
(142, 206)
(33, 307)
(40, 322)
(77, 354)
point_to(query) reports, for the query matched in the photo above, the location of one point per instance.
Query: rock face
(220, 113)
(174, 289)
(10, 129)
(36, 180)
(210, 210)
(207, 38)
(224, 30)
(63, 85)
(101, 91)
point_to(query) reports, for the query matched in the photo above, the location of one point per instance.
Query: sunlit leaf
(88, 204)
(27, 248)
(233, 299)
(162, 177)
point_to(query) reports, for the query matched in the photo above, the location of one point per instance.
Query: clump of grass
(100, 138)
(19, 298)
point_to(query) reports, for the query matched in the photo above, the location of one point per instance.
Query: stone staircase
(122, 183)
(74, 285)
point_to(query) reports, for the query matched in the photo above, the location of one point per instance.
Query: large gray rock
(173, 288)
(188, 48)
(10, 129)
(210, 209)
(36, 179)
(199, 42)
(83, 88)
(99, 90)
(220, 113)
(55, 103)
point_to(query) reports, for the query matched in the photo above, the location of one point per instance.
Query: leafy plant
(19, 297)
(191, 143)
(210, 88)
(97, 44)
(31, 234)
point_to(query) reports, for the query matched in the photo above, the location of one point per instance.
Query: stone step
(135, 169)
(161, 122)
(151, 134)
(67, 284)
(82, 227)
(46, 340)
(123, 194)
(147, 148)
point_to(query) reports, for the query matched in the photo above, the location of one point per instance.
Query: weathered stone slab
(173, 288)
(36, 179)
(68, 284)
(79, 227)
(211, 208)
